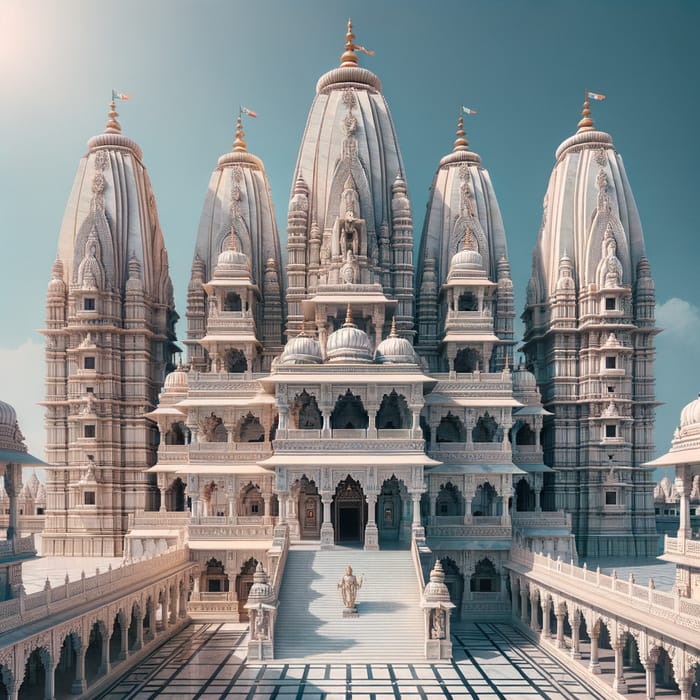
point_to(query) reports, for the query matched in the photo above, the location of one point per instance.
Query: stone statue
(613, 267)
(349, 585)
(260, 627)
(349, 271)
(438, 627)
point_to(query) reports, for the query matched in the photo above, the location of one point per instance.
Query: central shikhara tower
(332, 404)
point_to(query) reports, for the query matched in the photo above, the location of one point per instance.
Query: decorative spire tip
(348, 316)
(239, 145)
(113, 126)
(586, 123)
(349, 56)
(461, 143)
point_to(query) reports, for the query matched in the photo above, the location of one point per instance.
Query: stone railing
(29, 608)
(620, 597)
(682, 545)
(421, 555)
(277, 556)
(525, 519)
(221, 530)
(18, 545)
(158, 519)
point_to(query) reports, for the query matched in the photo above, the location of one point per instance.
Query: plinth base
(351, 612)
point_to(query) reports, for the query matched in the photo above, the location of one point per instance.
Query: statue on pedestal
(349, 585)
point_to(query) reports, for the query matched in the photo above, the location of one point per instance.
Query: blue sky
(522, 65)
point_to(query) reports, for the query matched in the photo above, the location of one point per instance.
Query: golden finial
(239, 144)
(348, 316)
(468, 239)
(303, 327)
(586, 123)
(461, 143)
(393, 326)
(349, 57)
(112, 125)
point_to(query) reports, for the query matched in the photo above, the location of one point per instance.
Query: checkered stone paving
(491, 662)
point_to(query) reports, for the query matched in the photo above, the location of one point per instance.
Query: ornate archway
(349, 512)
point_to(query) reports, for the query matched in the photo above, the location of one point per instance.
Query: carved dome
(436, 589)
(177, 380)
(349, 344)
(466, 261)
(522, 379)
(232, 263)
(261, 590)
(302, 350)
(395, 349)
(690, 415)
(11, 437)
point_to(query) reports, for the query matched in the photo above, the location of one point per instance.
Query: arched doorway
(349, 512)
(309, 510)
(390, 510)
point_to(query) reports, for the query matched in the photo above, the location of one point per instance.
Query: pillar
(619, 683)
(650, 674)
(594, 666)
(537, 488)
(372, 425)
(684, 685)
(415, 499)
(138, 643)
(124, 651)
(326, 429)
(575, 631)
(49, 679)
(13, 485)
(684, 530)
(545, 603)
(523, 605)
(560, 615)
(371, 531)
(104, 655)
(534, 602)
(78, 685)
(327, 532)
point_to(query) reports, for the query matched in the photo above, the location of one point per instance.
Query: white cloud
(22, 373)
(679, 319)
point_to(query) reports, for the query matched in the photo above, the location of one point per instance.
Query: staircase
(310, 623)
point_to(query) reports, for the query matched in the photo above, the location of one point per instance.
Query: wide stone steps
(310, 622)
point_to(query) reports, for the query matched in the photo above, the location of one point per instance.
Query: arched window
(235, 362)
(216, 578)
(451, 429)
(468, 360)
(449, 501)
(525, 436)
(232, 302)
(179, 434)
(349, 413)
(485, 578)
(524, 497)
(393, 413)
(468, 302)
(485, 430)
(305, 412)
(485, 501)
(250, 429)
(252, 502)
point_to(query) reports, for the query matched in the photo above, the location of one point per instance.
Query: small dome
(11, 437)
(302, 350)
(261, 590)
(177, 380)
(522, 379)
(436, 590)
(349, 343)
(467, 260)
(395, 349)
(690, 415)
(231, 263)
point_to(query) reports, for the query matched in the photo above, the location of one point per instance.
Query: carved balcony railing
(548, 519)
(18, 545)
(644, 606)
(158, 519)
(681, 545)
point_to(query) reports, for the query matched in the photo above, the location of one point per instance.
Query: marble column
(104, 656)
(594, 666)
(523, 605)
(560, 615)
(619, 683)
(327, 532)
(545, 604)
(534, 603)
(78, 685)
(650, 674)
(415, 500)
(683, 490)
(124, 651)
(138, 643)
(49, 681)
(575, 631)
(371, 531)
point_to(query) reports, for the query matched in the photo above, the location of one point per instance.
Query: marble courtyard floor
(491, 662)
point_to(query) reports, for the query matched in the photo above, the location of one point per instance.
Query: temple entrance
(390, 511)
(309, 510)
(349, 512)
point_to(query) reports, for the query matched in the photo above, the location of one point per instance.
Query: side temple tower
(589, 339)
(109, 341)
